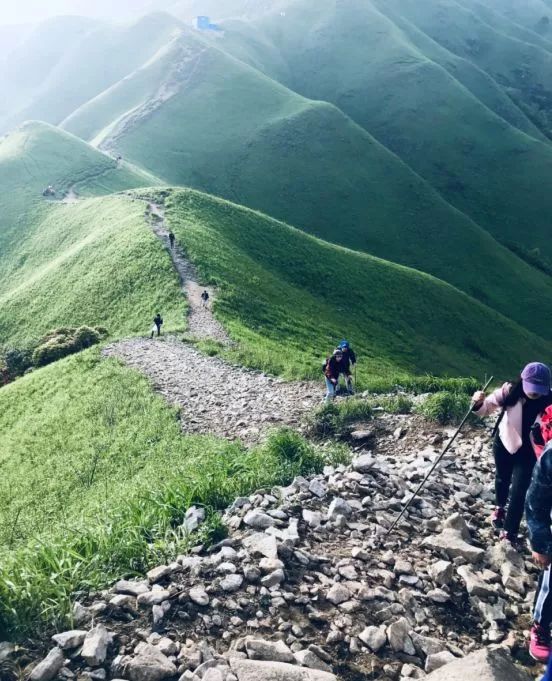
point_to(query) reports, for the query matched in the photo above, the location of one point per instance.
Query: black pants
(512, 480)
(543, 600)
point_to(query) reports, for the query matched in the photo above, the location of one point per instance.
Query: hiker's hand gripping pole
(437, 462)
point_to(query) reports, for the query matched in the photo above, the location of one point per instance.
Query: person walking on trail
(332, 370)
(348, 362)
(538, 509)
(205, 298)
(171, 240)
(521, 404)
(157, 324)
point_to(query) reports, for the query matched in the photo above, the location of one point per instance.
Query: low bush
(445, 408)
(334, 418)
(394, 404)
(63, 342)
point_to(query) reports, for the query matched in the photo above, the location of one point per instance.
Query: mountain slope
(288, 297)
(91, 262)
(197, 117)
(94, 59)
(356, 57)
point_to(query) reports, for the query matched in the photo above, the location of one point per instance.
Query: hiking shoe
(497, 517)
(539, 644)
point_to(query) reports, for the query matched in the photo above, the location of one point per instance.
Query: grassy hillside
(93, 262)
(487, 168)
(114, 476)
(85, 67)
(327, 175)
(288, 298)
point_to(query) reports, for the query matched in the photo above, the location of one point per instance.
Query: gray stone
(452, 543)
(456, 522)
(273, 579)
(49, 667)
(69, 639)
(231, 583)
(199, 596)
(149, 664)
(363, 463)
(339, 593)
(438, 660)
(438, 596)
(131, 588)
(252, 670)
(474, 584)
(484, 665)
(155, 597)
(306, 658)
(441, 572)
(317, 488)
(258, 520)
(271, 564)
(260, 544)
(374, 638)
(193, 519)
(398, 635)
(268, 651)
(312, 518)
(361, 435)
(6, 649)
(339, 507)
(425, 645)
(94, 648)
(159, 573)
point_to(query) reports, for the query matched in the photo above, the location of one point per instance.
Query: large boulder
(149, 664)
(484, 665)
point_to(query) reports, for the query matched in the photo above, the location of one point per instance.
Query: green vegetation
(394, 404)
(445, 408)
(334, 419)
(115, 478)
(287, 298)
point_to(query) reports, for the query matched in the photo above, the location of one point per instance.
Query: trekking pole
(437, 462)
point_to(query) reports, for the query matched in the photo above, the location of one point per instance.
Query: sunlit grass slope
(353, 55)
(288, 298)
(85, 64)
(233, 132)
(91, 262)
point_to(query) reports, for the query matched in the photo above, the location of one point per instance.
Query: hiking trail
(201, 321)
(214, 397)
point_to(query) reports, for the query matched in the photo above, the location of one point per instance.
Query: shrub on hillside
(14, 362)
(395, 404)
(445, 408)
(335, 418)
(63, 342)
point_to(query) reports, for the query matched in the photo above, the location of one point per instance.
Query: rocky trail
(214, 396)
(202, 324)
(307, 587)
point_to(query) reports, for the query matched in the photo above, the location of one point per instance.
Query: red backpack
(541, 432)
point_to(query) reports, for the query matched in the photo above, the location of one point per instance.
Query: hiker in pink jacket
(521, 403)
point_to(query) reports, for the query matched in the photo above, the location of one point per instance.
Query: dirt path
(201, 322)
(213, 396)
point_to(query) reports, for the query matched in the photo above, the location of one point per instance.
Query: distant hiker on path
(348, 362)
(205, 298)
(157, 323)
(171, 240)
(521, 404)
(538, 510)
(332, 370)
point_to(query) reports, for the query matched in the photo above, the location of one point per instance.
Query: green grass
(289, 298)
(445, 408)
(335, 419)
(114, 476)
(95, 262)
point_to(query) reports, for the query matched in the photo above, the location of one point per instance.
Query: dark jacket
(333, 368)
(538, 504)
(157, 320)
(349, 358)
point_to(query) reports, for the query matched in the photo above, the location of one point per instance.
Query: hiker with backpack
(348, 362)
(332, 371)
(538, 509)
(521, 403)
(157, 323)
(205, 298)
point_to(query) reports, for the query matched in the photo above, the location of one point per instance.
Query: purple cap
(536, 378)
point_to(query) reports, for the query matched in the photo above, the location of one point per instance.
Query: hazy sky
(26, 11)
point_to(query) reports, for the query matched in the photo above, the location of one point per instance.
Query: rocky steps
(308, 587)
